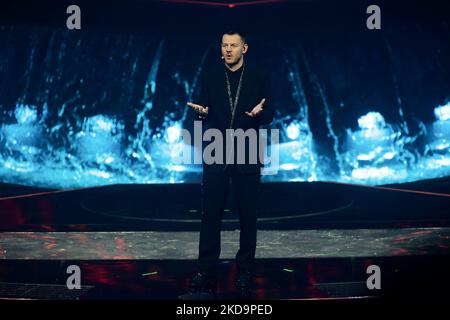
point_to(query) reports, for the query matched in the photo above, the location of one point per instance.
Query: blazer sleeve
(204, 96)
(266, 116)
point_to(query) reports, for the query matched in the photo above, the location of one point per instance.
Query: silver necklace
(236, 99)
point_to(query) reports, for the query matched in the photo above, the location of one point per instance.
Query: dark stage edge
(177, 207)
(308, 279)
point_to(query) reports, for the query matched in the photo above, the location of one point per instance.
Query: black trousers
(215, 188)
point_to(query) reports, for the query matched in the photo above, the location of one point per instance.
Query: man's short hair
(231, 32)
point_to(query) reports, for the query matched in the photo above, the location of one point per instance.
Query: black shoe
(244, 283)
(203, 282)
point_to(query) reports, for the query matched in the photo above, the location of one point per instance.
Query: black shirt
(214, 94)
(234, 77)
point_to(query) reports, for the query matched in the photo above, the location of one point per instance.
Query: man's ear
(245, 48)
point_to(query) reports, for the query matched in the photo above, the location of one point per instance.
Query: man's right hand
(203, 112)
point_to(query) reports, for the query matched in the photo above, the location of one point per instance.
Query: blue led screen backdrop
(107, 105)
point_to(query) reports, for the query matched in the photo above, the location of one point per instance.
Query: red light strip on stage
(29, 195)
(223, 4)
(392, 189)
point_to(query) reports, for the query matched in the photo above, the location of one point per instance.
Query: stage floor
(183, 245)
(290, 264)
(316, 241)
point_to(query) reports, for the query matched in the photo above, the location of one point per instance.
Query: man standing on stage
(233, 95)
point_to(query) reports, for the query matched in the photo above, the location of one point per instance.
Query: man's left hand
(257, 109)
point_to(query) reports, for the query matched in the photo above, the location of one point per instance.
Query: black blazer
(214, 95)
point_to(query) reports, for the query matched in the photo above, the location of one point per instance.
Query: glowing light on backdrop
(99, 152)
(69, 145)
(293, 130)
(443, 112)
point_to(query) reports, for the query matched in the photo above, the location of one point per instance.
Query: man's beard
(233, 63)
